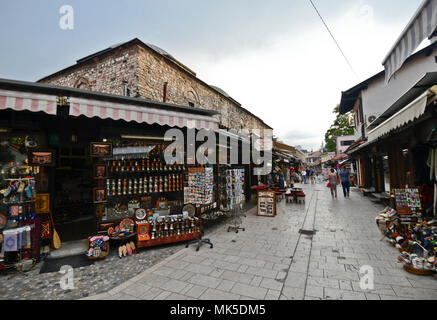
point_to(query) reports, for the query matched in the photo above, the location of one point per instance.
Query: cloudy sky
(274, 57)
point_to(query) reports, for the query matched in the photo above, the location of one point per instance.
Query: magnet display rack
(232, 195)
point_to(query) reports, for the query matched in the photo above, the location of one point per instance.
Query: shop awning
(411, 112)
(22, 101)
(28, 96)
(422, 25)
(117, 111)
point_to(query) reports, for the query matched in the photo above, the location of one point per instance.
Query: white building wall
(378, 97)
(340, 148)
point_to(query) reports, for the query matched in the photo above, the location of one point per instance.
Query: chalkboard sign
(266, 203)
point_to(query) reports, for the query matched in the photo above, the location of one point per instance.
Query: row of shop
(397, 165)
(76, 164)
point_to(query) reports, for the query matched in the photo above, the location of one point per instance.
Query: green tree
(343, 126)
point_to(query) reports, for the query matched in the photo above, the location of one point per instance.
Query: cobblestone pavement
(91, 280)
(272, 260)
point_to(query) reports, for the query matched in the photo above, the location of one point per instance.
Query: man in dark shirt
(344, 177)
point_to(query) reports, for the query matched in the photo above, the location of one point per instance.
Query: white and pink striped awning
(117, 111)
(21, 101)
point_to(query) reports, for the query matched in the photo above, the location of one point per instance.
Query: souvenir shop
(71, 169)
(410, 173)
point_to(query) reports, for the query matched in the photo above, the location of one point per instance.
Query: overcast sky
(274, 57)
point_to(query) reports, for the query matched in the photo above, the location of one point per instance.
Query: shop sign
(101, 149)
(42, 158)
(266, 203)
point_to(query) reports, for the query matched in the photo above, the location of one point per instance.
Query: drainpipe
(165, 91)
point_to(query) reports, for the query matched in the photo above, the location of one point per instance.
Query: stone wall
(103, 74)
(145, 72)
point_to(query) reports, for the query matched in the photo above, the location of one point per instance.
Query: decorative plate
(190, 209)
(126, 223)
(140, 214)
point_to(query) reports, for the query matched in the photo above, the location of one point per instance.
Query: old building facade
(142, 70)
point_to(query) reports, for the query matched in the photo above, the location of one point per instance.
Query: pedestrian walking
(345, 182)
(333, 181)
(313, 176)
(304, 176)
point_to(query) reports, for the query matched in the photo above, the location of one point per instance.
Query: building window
(192, 98)
(346, 143)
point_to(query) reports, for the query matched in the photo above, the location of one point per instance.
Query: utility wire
(338, 46)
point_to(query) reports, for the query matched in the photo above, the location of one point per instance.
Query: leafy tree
(343, 126)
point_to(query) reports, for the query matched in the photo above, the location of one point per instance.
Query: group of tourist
(338, 176)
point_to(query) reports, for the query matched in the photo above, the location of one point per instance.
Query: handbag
(329, 184)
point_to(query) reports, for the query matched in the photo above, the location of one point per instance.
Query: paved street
(271, 260)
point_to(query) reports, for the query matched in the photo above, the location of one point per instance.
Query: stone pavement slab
(273, 260)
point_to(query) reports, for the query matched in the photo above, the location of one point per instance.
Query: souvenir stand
(199, 196)
(406, 228)
(142, 197)
(20, 226)
(232, 196)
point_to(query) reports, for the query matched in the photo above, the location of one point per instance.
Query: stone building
(137, 69)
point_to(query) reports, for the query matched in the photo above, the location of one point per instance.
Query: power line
(338, 46)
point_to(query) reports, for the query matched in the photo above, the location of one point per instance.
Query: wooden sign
(99, 195)
(100, 171)
(42, 203)
(42, 158)
(100, 210)
(266, 203)
(101, 149)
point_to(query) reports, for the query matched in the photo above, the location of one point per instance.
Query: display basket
(103, 253)
(417, 271)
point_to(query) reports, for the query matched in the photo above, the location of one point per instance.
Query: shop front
(94, 165)
(401, 151)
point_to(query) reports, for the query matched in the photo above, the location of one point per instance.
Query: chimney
(165, 91)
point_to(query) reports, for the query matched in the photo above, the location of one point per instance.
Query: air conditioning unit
(371, 118)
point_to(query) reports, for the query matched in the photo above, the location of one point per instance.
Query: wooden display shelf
(167, 240)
